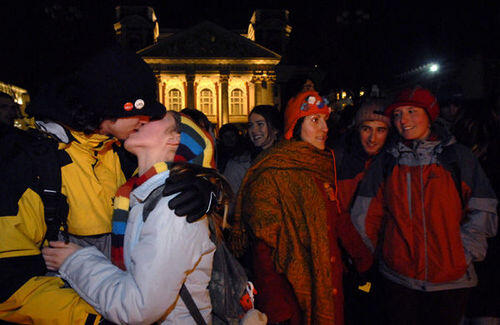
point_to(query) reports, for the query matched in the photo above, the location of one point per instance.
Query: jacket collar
(141, 193)
(66, 135)
(439, 138)
(93, 141)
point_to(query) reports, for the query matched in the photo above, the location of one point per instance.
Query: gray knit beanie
(372, 110)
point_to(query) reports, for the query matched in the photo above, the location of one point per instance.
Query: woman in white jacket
(160, 253)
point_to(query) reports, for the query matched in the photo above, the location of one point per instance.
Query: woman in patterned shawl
(288, 211)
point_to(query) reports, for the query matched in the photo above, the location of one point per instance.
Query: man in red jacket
(354, 153)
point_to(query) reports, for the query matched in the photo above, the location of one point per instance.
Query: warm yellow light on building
(338, 96)
(361, 93)
(344, 94)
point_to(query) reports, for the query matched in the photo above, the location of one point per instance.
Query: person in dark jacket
(359, 147)
(230, 143)
(355, 152)
(9, 110)
(427, 207)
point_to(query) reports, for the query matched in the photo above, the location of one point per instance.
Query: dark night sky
(47, 37)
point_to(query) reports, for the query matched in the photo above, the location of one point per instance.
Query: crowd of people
(385, 219)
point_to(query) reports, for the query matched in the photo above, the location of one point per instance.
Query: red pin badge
(128, 106)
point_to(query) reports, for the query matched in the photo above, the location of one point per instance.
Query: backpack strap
(151, 201)
(191, 306)
(47, 163)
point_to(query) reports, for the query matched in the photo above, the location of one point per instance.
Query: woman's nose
(324, 126)
(404, 117)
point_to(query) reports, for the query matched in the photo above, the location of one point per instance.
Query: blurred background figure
(340, 123)
(299, 84)
(230, 143)
(200, 119)
(9, 110)
(451, 103)
(308, 85)
(296, 85)
(479, 127)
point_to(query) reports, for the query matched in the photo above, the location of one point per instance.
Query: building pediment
(207, 41)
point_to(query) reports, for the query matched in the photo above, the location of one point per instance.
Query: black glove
(197, 195)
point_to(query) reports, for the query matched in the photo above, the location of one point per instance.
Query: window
(207, 102)
(237, 107)
(174, 100)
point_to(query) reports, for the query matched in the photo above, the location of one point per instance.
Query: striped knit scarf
(121, 210)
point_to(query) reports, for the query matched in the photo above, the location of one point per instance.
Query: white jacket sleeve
(168, 249)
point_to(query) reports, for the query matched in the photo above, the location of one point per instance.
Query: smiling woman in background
(264, 130)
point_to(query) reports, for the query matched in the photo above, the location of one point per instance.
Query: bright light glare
(434, 67)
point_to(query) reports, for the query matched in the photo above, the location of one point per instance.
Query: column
(247, 89)
(217, 106)
(268, 95)
(190, 103)
(224, 87)
(158, 87)
(163, 95)
(257, 81)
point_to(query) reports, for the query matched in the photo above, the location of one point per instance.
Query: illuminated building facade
(21, 97)
(220, 72)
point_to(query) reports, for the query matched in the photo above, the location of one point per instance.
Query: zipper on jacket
(424, 225)
(94, 164)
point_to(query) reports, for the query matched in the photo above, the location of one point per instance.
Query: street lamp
(433, 67)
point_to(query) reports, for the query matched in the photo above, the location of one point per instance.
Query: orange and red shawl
(282, 202)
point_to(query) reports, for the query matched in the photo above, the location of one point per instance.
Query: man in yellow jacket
(104, 101)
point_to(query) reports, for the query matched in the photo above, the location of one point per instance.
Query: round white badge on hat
(139, 104)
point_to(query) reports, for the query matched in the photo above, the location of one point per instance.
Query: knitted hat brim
(390, 109)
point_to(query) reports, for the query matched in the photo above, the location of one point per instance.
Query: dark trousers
(401, 305)
(360, 308)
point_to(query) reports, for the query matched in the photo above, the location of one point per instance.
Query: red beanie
(304, 104)
(418, 97)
